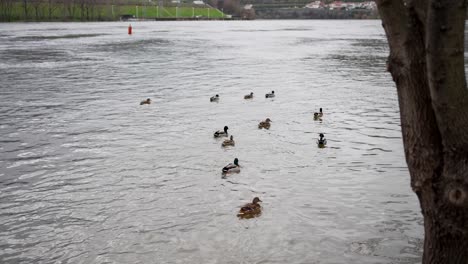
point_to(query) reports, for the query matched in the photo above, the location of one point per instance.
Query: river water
(87, 175)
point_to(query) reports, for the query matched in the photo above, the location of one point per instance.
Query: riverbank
(45, 12)
(307, 13)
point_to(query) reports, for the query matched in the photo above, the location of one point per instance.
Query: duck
(147, 101)
(229, 142)
(264, 124)
(248, 96)
(251, 209)
(317, 116)
(221, 133)
(270, 95)
(321, 142)
(214, 98)
(232, 167)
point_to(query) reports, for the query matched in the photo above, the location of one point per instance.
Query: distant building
(248, 12)
(337, 5)
(369, 5)
(198, 2)
(315, 5)
(348, 5)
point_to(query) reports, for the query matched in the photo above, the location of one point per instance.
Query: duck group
(252, 209)
(270, 95)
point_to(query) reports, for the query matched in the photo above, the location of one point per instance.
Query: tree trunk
(82, 6)
(25, 8)
(71, 9)
(426, 39)
(36, 11)
(49, 9)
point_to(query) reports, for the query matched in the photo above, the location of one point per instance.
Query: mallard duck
(248, 96)
(251, 209)
(232, 167)
(221, 133)
(317, 116)
(214, 98)
(321, 142)
(270, 95)
(264, 124)
(147, 101)
(229, 142)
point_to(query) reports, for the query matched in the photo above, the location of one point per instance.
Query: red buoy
(130, 29)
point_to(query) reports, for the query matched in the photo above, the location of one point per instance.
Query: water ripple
(87, 175)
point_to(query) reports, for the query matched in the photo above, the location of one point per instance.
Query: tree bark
(25, 8)
(426, 61)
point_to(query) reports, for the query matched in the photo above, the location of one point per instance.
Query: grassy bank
(42, 11)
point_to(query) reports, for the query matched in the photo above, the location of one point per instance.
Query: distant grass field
(171, 12)
(59, 12)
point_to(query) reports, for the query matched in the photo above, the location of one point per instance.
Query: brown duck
(229, 142)
(251, 209)
(248, 96)
(147, 101)
(264, 124)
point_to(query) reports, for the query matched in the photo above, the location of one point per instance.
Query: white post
(208, 13)
(176, 11)
(112, 11)
(193, 12)
(136, 8)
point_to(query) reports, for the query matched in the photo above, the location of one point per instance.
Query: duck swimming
(248, 96)
(270, 95)
(147, 101)
(232, 167)
(251, 209)
(228, 142)
(321, 142)
(214, 98)
(264, 124)
(221, 133)
(317, 116)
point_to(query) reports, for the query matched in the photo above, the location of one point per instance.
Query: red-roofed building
(336, 5)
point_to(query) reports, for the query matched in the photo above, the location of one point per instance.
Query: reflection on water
(87, 175)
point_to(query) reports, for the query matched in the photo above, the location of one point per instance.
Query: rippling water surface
(87, 175)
